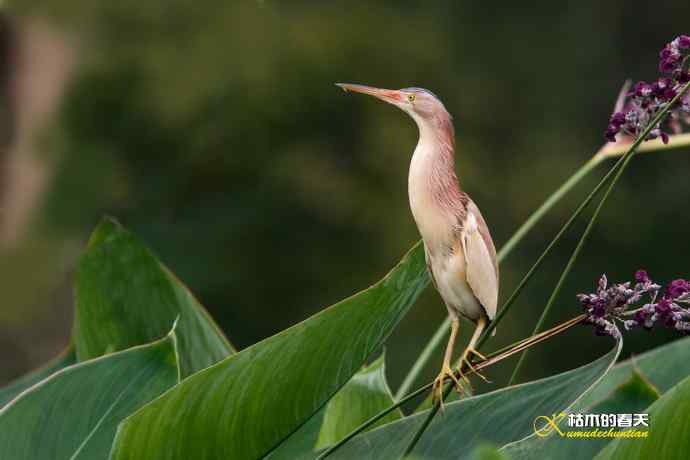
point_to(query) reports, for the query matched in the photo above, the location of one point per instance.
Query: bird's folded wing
(480, 255)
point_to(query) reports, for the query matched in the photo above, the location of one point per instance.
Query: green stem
(547, 205)
(624, 161)
(608, 151)
(595, 160)
(497, 356)
(491, 359)
(507, 248)
(422, 359)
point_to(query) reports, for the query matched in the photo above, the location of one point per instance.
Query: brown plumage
(459, 251)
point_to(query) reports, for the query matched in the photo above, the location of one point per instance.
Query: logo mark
(551, 424)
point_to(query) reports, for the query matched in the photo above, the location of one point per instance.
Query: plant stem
(625, 160)
(550, 202)
(491, 359)
(571, 220)
(507, 248)
(606, 152)
(520, 346)
(422, 359)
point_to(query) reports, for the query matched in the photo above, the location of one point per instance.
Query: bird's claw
(466, 359)
(437, 389)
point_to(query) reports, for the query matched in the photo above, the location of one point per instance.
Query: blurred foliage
(213, 130)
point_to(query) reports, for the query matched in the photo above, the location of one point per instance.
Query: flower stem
(503, 253)
(520, 346)
(606, 152)
(491, 359)
(624, 161)
(617, 169)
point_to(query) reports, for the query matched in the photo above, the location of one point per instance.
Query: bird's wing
(480, 255)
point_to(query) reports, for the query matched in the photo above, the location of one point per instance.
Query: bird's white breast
(438, 227)
(434, 223)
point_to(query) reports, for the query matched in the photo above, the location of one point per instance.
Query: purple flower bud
(663, 308)
(642, 89)
(598, 310)
(668, 65)
(631, 117)
(647, 100)
(683, 42)
(602, 284)
(676, 288)
(610, 134)
(641, 276)
(617, 119)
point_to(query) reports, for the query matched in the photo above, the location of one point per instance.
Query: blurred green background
(213, 130)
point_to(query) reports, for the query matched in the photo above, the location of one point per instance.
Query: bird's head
(421, 104)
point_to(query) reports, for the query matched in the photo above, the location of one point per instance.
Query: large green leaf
(74, 414)
(64, 359)
(126, 297)
(631, 397)
(246, 405)
(301, 442)
(364, 396)
(663, 366)
(629, 387)
(497, 418)
(669, 425)
(488, 452)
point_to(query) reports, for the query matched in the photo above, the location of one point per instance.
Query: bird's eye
(410, 97)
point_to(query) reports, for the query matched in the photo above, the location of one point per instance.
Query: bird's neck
(437, 202)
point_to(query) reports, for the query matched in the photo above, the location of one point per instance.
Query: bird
(458, 248)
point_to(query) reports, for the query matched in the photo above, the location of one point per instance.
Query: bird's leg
(471, 350)
(446, 370)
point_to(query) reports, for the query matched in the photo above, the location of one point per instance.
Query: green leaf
(302, 442)
(497, 418)
(64, 359)
(631, 397)
(669, 425)
(126, 297)
(663, 367)
(488, 452)
(246, 405)
(629, 387)
(364, 396)
(74, 414)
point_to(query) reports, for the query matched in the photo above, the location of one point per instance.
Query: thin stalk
(571, 220)
(623, 162)
(491, 359)
(550, 202)
(606, 152)
(507, 248)
(422, 359)
(583, 238)
(522, 345)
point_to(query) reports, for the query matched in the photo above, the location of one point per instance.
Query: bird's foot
(466, 358)
(437, 389)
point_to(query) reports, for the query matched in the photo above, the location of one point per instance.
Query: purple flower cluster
(642, 303)
(647, 99)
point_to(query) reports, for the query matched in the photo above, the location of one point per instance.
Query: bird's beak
(392, 96)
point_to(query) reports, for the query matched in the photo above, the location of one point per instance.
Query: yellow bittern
(460, 254)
